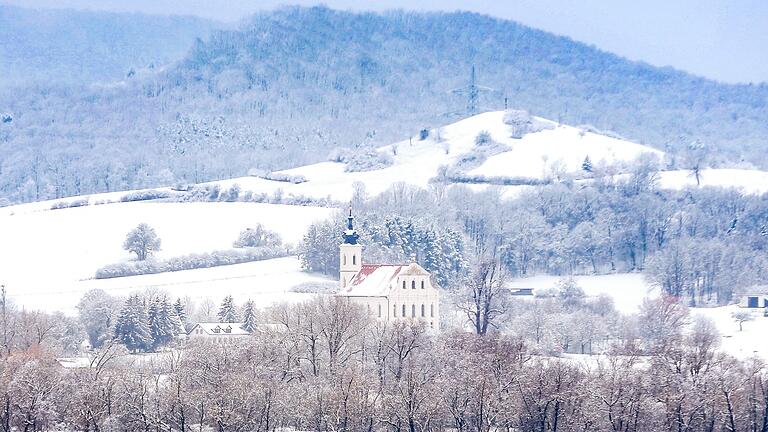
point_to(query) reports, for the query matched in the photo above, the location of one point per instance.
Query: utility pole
(4, 311)
(472, 92)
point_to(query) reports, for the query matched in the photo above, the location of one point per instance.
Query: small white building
(388, 291)
(754, 301)
(217, 332)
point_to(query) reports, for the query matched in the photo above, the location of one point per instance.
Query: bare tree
(485, 298)
(741, 317)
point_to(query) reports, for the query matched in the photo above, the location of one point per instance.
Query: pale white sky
(722, 39)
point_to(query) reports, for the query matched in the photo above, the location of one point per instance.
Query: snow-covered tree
(228, 310)
(98, 311)
(741, 317)
(249, 317)
(257, 237)
(132, 327)
(163, 322)
(143, 241)
(181, 314)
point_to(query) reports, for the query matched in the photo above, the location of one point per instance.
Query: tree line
(323, 366)
(704, 245)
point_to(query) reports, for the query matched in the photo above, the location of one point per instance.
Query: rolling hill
(292, 85)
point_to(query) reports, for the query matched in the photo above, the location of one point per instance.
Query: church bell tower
(350, 254)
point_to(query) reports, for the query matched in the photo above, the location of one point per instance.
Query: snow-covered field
(46, 252)
(748, 181)
(264, 282)
(626, 289)
(533, 156)
(629, 290)
(417, 161)
(747, 343)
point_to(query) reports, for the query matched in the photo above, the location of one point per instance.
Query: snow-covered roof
(220, 329)
(74, 362)
(376, 280)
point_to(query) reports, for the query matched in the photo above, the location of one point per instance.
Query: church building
(388, 291)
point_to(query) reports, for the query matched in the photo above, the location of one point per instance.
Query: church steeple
(350, 253)
(350, 234)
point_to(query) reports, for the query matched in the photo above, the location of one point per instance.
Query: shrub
(64, 204)
(368, 161)
(286, 178)
(482, 138)
(191, 261)
(315, 288)
(522, 123)
(145, 195)
(257, 237)
(423, 134)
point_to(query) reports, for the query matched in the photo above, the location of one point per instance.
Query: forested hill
(407, 62)
(82, 46)
(293, 84)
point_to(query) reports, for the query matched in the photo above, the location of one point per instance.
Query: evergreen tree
(249, 317)
(161, 323)
(132, 327)
(180, 316)
(228, 312)
(587, 164)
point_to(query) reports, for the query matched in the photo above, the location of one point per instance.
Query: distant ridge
(294, 84)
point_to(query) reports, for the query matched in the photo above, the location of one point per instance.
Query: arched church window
(354, 259)
(423, 309)
(405, 314)
(413, 284)
(413, 311)
(422, 284)
(403, 284)
(394, 311)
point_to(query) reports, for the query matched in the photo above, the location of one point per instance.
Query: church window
(344, 260)
(403, 284)
(422, 284)
(413, 284)
(394, 311)
(354, 259)
(413, 311)
(432, 310)
(422, 311)
(405, 314)
(379, 311)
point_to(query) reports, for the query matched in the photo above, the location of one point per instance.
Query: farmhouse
(388, 291)
(217, 332)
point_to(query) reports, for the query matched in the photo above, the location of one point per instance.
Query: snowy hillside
(417, 161)
(46, 253)
(537, 156)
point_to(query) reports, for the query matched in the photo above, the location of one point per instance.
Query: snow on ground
(264, 282)
(417, 161)
(535, 154)
(748, 181)
(49, 251)
(747, 343)
(626, 289)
